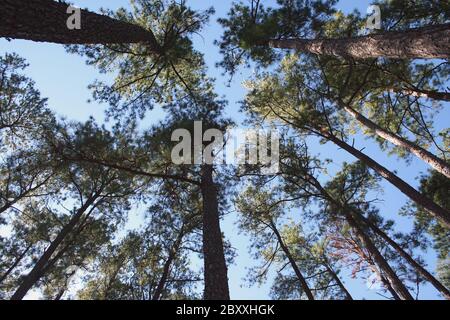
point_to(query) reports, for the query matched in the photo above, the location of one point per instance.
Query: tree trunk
(15, 264)
(421, 270)
(166, 269)
(292, 262)
(388, 287)
(432, 42)
(393, 279)
(431, 207)
(428, 94)
(216, 279)
(338, 281)
(36, 273)
(435, 162)
(46, 21)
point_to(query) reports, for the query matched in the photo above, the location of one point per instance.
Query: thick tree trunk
(36, 273)
(46, 21)
(15, 264)
(435, 162)
(216, 278)
(431, 42)
(338, 281)
(421, 270)
(428, 94)
(393, 279)
(294, 266)
(167, 265)
(434, 209)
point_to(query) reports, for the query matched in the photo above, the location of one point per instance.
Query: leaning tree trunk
(292, 262)
(421, 93)
(15, 264)
(430, 42)
(46, 21)
(435, 162)
(216, 278)
(338, 281)
(36, 273)
(421, 270)
(390, 274)
(167, 265)
(431, 207)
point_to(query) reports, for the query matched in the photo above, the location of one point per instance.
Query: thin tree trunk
(46, 21)
(292, 262)
(421, 270)
(388, 286)
(393, 279)
(15, 264)
(434, 209)
(338, 281)
(428, 94)
(435, 162)
(36, 273)
(430, 42)
(216, 278)
(166, 269)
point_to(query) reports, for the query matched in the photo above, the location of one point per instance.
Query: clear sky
(64, 78)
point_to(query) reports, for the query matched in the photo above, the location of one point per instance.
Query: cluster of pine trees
(68, 189)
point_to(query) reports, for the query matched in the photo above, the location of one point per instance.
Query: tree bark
(393, 279)
(421, 270)
(36, 273)
(431, 207)
(432, 42)
(46, 21)
(292, 262)
(435, 162)
(216, 278)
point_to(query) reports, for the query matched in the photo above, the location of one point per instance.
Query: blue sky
(64, 78)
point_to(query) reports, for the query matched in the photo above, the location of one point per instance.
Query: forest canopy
(339, 190)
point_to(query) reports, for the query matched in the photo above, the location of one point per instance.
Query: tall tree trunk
(292, 262)
(167, 265)
(388, 286)
(393, 279)
(36, 273)
(431, 207)
(421, 270)
(216, 278)
(15, 264)
(428, 94)
(338, 281)
(435, 162)
(46, 21)
(430, 42)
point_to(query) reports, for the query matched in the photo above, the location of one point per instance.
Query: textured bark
(38, 270)
(431, 207)
(388, 272)
(46, 21)
(167, 265)
(294, 266)
(15, 264)
(430, 42)
(421, 270)
(435, 162)
(216, 278)
(338, 281)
